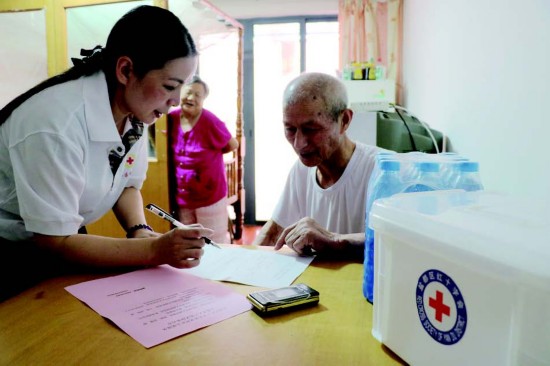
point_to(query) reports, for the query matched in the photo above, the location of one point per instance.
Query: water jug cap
(392, 165)
(428, 166)
(469, 166)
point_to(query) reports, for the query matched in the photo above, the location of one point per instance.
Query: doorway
(276, 51)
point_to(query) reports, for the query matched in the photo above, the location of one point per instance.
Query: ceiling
(247, 9)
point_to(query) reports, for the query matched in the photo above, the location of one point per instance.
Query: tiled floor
(249, 233)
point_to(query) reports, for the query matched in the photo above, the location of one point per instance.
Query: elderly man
(322, 207)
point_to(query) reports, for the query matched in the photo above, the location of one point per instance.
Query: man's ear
(346, 117)
(124, 68)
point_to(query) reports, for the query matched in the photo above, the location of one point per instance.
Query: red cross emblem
(130, 160)
(439, 307)
(445, 296)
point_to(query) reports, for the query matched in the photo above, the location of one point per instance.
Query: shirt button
(119, 149)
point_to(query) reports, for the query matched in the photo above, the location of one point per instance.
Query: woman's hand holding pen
(180, 248)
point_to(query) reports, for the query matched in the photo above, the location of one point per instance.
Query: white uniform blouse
(54, 169)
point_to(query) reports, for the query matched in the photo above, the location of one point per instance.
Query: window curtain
(370, 30)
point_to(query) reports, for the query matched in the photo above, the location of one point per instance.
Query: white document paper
(261, 266)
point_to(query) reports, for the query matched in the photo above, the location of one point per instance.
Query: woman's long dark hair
(150, 36)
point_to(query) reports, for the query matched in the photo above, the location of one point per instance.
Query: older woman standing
(198, 141)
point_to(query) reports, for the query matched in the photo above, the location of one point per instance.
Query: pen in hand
(166, 216)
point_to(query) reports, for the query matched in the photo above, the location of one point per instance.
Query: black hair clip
(89, 56)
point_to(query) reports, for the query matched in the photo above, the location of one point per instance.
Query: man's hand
(307, 235)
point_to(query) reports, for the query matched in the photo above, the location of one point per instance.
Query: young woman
(64, 162)
(198, 141)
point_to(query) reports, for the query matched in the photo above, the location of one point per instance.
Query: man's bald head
(313, 86)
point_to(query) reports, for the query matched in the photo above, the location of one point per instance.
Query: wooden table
(47, 325)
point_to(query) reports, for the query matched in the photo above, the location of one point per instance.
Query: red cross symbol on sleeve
(130, 160)
(439, 307)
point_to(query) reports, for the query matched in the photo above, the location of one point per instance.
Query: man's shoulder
(363, 161)
(367, 151)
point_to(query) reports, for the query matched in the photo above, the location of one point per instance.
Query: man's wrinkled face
(310, 130)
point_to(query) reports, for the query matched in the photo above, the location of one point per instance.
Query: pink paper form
(157, 304)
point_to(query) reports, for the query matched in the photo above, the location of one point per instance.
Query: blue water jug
(386, 184)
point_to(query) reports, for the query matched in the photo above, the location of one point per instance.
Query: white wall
(479, 71)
